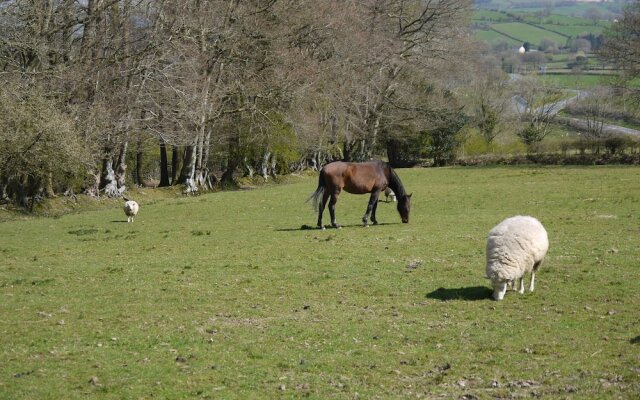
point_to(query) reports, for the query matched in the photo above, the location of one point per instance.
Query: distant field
(529, 33)
(568, 20)
(558, 28)
(232, 296)
(490, 15)
(573, 30)
(493, 36)
(577, 9)
(573, 81)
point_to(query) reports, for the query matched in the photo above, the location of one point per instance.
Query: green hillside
(527, 33)
(524, 26)
(493, 36)
(573, 30)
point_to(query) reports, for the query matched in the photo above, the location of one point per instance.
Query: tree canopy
(259, 85)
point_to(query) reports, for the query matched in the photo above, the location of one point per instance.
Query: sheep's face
(499, 289)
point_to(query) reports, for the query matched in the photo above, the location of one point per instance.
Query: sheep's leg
(533, 274)
(533, 279)
(521, 291)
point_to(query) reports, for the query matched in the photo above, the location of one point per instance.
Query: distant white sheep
(515, 246)
(389, 193)
(131, 209)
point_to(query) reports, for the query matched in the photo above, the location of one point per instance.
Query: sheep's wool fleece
(131, 208)
(514, 246)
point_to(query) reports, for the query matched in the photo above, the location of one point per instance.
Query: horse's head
(404, 206)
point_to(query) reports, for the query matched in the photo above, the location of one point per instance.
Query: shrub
(615, 144)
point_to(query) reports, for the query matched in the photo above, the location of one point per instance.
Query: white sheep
(389, 193)
(515, 246)
(131, 209)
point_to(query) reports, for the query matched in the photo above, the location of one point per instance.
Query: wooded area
(263, 86)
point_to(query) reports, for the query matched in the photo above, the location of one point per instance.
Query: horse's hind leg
(371, 209)
(373, 213)
(332, 210)
(325, 197)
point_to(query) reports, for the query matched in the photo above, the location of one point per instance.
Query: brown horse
(358, 178)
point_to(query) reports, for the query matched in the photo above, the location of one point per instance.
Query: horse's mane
(395, 184)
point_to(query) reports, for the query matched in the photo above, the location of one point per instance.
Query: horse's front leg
(371, 207)
(332, 210)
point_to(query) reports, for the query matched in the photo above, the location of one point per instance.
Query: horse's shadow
(469, 293)
(330, 228)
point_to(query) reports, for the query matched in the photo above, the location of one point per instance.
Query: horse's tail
(316, 197)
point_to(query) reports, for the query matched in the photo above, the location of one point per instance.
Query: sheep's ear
(409, 195)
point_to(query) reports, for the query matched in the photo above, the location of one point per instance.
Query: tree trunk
(139, 160)
(164, 165)
(48, 188)
(93, 189)
(264, 166)
(248, 168)
(232, 165)
(175, 164)
(121, 167)
(188, 169)
(108, 181)
(202, 173)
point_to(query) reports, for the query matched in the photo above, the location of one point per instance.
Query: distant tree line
(253, 87)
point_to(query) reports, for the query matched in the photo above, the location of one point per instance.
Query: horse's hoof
(321, 227)
(366, 225)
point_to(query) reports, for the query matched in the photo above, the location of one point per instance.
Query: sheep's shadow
(118, 222)
(635, 340)
(469, 293)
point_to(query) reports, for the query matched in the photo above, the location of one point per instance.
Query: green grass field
(493, 36)
(573, 30)
(229, 295)
(526, 32)
(574, 81)
(490, 15)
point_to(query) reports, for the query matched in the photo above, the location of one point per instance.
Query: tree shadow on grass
(468, 293)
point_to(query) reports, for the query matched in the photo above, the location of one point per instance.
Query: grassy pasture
(490, 15)
(573, 30)
(225, 295)
(526, 32)
(574, 81)
(493, 36)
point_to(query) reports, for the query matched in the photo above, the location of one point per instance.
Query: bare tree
(539, 106)
(490, 96)
(622, 45)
